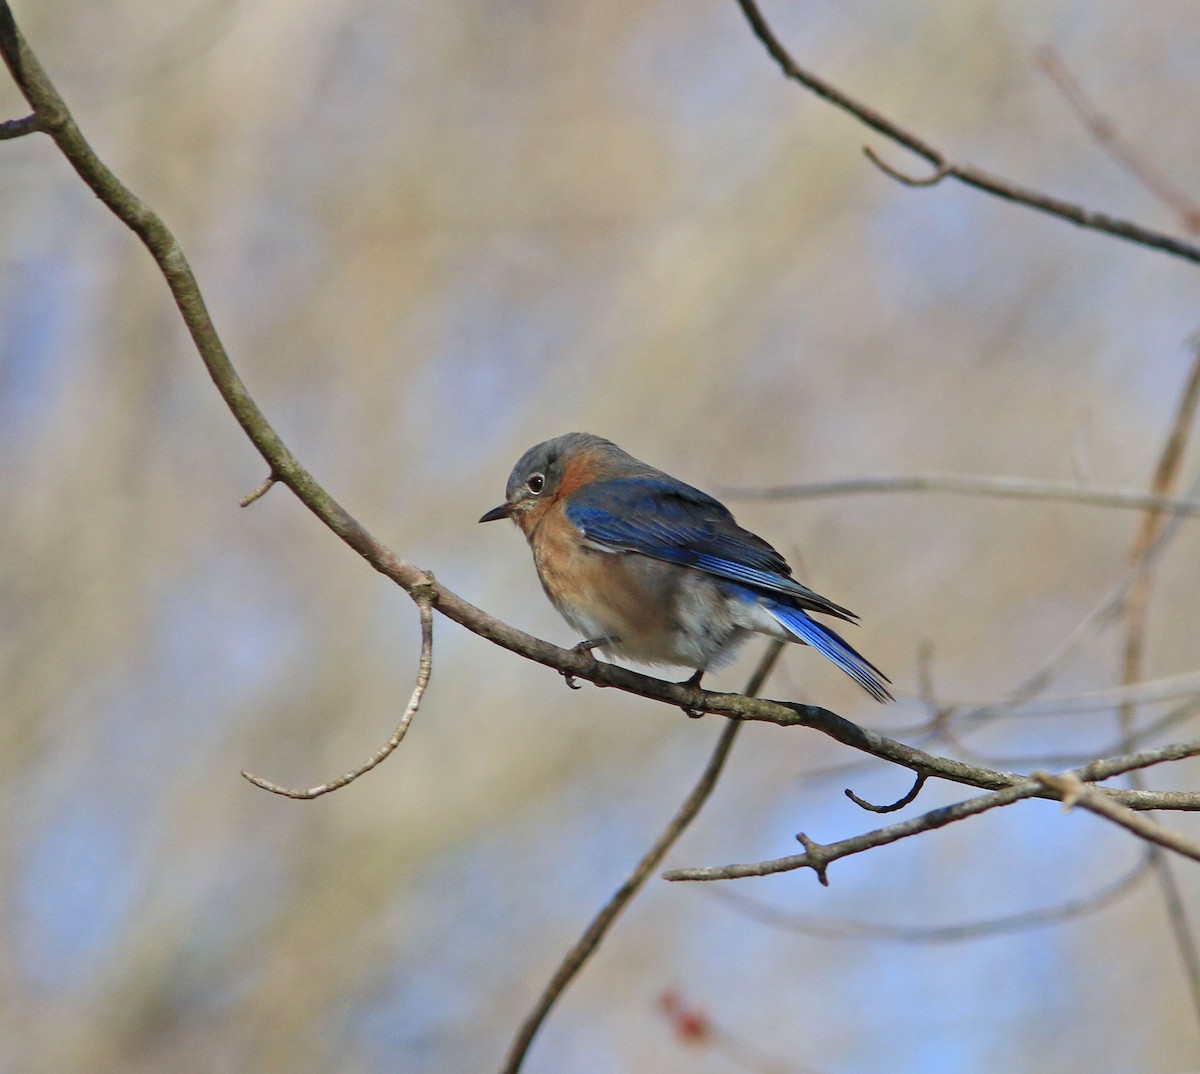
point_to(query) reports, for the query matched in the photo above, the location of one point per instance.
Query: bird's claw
(582, 648)
(693, 681)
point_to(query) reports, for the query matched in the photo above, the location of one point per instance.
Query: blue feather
(830, 644)
(671, 521)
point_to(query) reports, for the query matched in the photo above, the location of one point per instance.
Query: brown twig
(819, 857)
(18, 128)
(1074, 792)
(424, 670)
(582, 949)
(1106, 132)
(1003, 487)
(872, 931)
(1105, 612)
(259, 492)
(892, 807)
(944, 168)
(1166, 474)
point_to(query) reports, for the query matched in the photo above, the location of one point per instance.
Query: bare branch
(1105, 131)
(1167, 688)
(18, 128)
(900, 803)
(819, 857)
(1166, 475)
(424, 669)
(602, 922)
(945, 168)
(1004, 487)
(935, 177)
(871, 931)
(259, 492)
(1074, 792)
(1104, 613)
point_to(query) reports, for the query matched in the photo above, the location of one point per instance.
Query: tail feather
(833, 646)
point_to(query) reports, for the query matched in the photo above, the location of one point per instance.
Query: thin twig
(945, 168)
(1106, 132)
(259, 492)
(1003, 487)
(1167, 688)
(1074, 792)
(871, 931)
(891, 807)
(1105, 612)
(18, 128)
(582, 949)
(818, 856)
(1166, 475)
(424, 670)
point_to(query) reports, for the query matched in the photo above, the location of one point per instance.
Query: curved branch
(947, 169)
(932, 179)
(892, 807)
(424, 670)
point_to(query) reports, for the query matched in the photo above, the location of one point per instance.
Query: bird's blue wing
(668, 520)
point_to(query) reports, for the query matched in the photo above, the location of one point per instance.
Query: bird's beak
(503, 511)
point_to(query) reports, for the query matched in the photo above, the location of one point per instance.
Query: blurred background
(431, 236)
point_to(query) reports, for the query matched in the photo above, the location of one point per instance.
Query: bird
(649, 569)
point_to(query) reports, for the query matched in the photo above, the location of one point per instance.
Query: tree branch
(1166, 476)
(944, 168)
(582, 950)
(18, 128)
(959, 932)
(1074, 792)
(819, 856)
(1014, 488)
(424, 670)
(1118, 147)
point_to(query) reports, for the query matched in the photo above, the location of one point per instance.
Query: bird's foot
(585, 647)
(693, 680)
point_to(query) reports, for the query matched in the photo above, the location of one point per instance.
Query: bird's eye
(536, 483)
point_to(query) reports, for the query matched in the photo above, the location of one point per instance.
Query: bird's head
(548, 471)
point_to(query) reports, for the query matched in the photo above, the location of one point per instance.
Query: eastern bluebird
(651, 569)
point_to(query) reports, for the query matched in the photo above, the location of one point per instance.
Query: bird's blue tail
(830, 644)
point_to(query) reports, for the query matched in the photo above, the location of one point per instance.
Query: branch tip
(942, 169)
(259, 492)
(18, 128)
(900, 803)
(424, 670)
